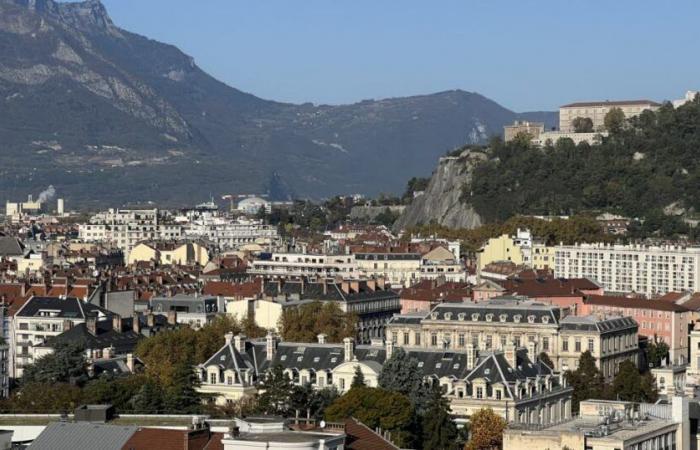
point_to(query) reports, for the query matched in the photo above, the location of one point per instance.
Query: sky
(527, 54)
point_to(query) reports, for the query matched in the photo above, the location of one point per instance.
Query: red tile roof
(639, 303)
(164, 439)
(360, 437)
(233, 290)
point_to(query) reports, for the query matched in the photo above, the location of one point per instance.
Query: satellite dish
(323, 424)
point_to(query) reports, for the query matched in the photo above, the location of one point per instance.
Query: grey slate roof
(500, 310)
(11, 246)
(82, 436)
(69, 307)
(593, 323)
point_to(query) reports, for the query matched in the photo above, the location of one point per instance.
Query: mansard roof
(501, 309)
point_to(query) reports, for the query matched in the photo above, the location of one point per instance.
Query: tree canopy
(306, 322)
(486, 430)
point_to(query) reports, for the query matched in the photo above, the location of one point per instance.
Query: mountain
(107, 115)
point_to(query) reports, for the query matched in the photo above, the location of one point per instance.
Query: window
(212, 378)
(229, 380)
(590, 345)
(417, 338)
(433, 339)
(460, 340)
(405, 339)
(545, 344)
(342, 383)
(498, 394)
(565, 345)
(577, 346)
(479, 392)
(394, 337)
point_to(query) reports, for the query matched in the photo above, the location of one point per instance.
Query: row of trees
(306, 322)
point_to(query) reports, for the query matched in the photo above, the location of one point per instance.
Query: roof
(361, 437)
(497, 310)
(548, 287)
(248, 289)
(123, 341)
(639, 303)
(611, 103)
(599, 324)
(68, 307)
(11, 246)
(168, 439)
(74, 436)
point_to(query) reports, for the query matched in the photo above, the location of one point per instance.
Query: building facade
(596, 111)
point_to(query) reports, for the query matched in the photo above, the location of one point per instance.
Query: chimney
(532, 351)
(228, 337)
(372, 284)
(239, 342)
(91, 323)
(345, 286)
(108, 353)
(151, 320)
(67, 325)
(470, 355)
(172, 317)
(136, 323)
(130, 362)
(355, 286)
(117, 323)
(270, 345)
(389, 348)
(510, 354)
(321, 338)
(381, 284)
(348, 349)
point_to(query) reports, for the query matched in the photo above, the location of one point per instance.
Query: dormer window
(461, 316)
(516, 318)
(489, 317)
(475, 317)
(448, 315)
(545, 319)
(531, 319)
(503, 317)
(434, 316)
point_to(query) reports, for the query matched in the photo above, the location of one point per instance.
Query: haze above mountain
(107, 115)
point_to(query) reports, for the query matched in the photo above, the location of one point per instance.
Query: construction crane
(234, 197)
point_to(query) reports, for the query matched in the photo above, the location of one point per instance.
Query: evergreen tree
(359, 378)
(439, 430)
(275, 392)
(401, 373)
(587, 380)
(182, 396)
(630, 385)
(66, 364)
(149, 399)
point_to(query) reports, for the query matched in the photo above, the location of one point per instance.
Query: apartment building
(401, 269)
(650, 270)
(596, 111)
(498, 322)
(170, 252)
(520, 249)
(41, 318)
(657, 319)
(289, 265)
(124, 228)
(512, 382)
(229, 234)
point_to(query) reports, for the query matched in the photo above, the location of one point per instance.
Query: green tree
(149, 399)
(656, 352)
(275, 392)
(43, 398)
(486, 430)
(182, 395)
(439, 430)
(582, 125)
(304, 323)
(66, 364)
(401, 373)
(587, 381)
(359, 379)
(376, 407)
(630, 385)
(614, 120)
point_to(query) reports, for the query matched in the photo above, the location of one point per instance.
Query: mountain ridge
(86, 100)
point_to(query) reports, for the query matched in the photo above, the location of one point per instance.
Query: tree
(275, 392)
(149, 399)
(377, 407)
(401, 373)
(544, 357)
(486, 430)
(359, 379)
(304, 323)
(630, 385)
(587, 380)
(582, 125)
(182, 395)
(439, 430)
(66, 364)
(656, 353)
(614, 120)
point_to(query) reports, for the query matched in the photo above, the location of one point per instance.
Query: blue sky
(526, 55)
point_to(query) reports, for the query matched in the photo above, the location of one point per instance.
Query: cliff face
(441, 200)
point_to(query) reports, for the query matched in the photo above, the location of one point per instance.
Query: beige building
(596, 111)
(552, 137)
(533, 129)
(493, 324)
(610, 425)
(170, 252)
(520, 249)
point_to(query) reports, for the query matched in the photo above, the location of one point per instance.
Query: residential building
(520, 249)
(124, 228)
(440, 263)
(596, 111)
(531, 129)
(170, 252)
(511, 382)
(194, 310)
(498, 322)
(41, 318)
(658, 320)
(400, 267)
(426, 294)
(229, 234)
(650, 270)
(606, 425)
(289, 265)
(371, 300)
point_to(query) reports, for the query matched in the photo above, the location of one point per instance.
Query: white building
(229, 234)
(252, 205)
(643, 269)
(304, 264)
(124, 228)
(689, 97)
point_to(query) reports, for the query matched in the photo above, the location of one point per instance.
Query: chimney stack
(389, 348)
(130, 362)
(470, 355)
(321, 338)
(117, 323)
(532, 351)
(270, 345)
(172, 317)
(91, 323)
(510, 354)
(239, 342)
(228, 337)
(151, 320)
(67, 325)
(136, 323)
(349, 349)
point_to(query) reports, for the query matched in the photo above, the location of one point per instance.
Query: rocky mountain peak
(87, 16)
